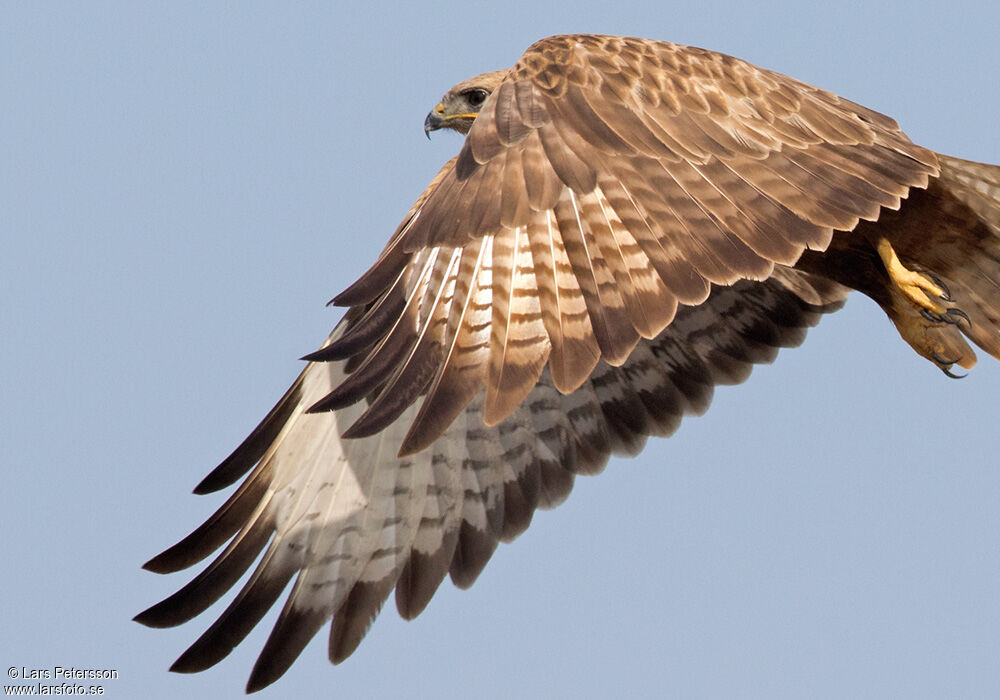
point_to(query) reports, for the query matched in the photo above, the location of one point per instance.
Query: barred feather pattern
(612, 179)
(613, 240)
(350, 520)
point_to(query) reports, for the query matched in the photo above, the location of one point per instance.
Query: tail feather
(954, 234)
(975, 281)
(976, 185)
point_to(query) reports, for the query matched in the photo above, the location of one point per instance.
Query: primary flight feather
(627, 224)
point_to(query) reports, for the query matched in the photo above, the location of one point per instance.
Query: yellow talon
(919, 289)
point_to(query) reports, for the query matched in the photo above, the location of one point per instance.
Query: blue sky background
(183, 186)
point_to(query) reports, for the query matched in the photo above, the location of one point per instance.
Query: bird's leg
(925, 292)
(925, 314)
(920, 290)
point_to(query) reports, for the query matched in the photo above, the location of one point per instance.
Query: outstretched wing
(610, 243)
(605, 182)
(350, 520)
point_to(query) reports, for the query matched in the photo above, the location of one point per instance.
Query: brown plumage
(627, 224)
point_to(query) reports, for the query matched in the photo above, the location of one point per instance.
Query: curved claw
(960, 314)
(952, 375)
(945, 366)
(945, 293)
(952, 316)
(941, 361)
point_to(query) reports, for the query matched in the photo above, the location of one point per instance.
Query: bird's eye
(476, 97)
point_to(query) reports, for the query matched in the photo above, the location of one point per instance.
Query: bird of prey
(628, 223)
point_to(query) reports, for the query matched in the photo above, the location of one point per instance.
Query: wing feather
(611, 242)
(704, 168)
(519, 345)
(353, 520)
(574, 349)
(460, 373)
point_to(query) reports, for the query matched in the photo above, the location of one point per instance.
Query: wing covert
(604, 182)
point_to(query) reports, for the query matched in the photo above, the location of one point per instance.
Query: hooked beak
(434, 120)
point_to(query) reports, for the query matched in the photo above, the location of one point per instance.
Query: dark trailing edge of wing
(253, 448)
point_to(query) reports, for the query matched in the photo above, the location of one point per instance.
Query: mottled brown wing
(605, 181)
(350, 521)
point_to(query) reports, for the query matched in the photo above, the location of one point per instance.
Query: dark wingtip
(362, 429)
(254, 683)
(250, 451)
(345, 298)
(146, 618)
(226, 473)
(321, 355)
(376, 280)
(195, 659)
(207, 485)
(266, 671)
(416, 441)
(158, 616)
(358, 294)
(186, 664)
(350, 391)
(158, 565)
(330, 402)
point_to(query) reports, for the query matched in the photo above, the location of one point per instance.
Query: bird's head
(460, 105)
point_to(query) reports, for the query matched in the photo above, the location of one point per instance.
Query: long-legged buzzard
(627, 224)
